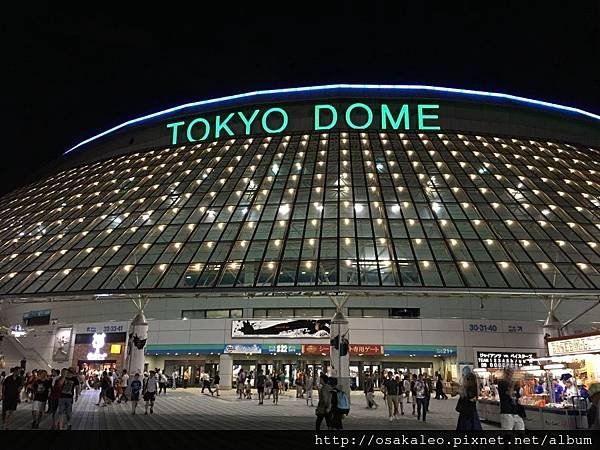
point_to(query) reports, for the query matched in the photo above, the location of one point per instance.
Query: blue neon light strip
(392, 87)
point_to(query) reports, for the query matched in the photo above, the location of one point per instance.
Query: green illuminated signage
(357, 116)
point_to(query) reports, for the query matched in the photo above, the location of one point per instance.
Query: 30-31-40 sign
(325, 116)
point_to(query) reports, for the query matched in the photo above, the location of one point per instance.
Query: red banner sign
(366, 349)
(315, 349)
(355, 349)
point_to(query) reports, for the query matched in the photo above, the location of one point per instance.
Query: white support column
(138, 335)
(340, 364)
(225, 370)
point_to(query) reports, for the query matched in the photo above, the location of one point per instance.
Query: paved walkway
(190, 409)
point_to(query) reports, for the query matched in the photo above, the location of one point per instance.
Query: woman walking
(275, 389)
(309, 382)
(323, 409)
(468, 419)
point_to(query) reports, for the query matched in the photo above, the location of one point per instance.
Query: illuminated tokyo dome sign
(275, 120)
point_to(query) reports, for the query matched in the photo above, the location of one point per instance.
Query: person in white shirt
(150, 390)
(174, 379)
(162, 383)
(570, 390)
(125, 386)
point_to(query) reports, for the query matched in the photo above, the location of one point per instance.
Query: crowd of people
(398, 387)
(50, 394)
(54, 393)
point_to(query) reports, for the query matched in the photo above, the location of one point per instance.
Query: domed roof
(312, 210)
(331, 210)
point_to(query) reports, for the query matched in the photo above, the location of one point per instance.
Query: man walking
(206, 383)
(125, 386)
(310, 381)
(369, 390)
(174, 376)
(10, 395)
(136, 387)
(260, 386)
(390, 389)
(65, 402)
(150, 390)
(439, 389)
(216, 382)
(421, 394)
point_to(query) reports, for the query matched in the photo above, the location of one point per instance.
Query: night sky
(70, 74)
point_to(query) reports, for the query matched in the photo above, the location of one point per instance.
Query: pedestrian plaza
(189, 409)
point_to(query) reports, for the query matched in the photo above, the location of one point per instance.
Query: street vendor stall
(554, 394)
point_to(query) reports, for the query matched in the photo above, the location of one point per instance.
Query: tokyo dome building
(443, 222)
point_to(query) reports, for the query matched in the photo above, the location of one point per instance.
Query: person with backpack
(340, 404)
(323, 409)
(65, 402)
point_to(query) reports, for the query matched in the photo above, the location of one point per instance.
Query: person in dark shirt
(413, 392)
(136, 388)
(41, 390)
(260, 386)
(216, 382)
(10, 395)
(65, 402)
(509, 417)
(369, 391)
(539, 388)
(439, 389)
(390, 388)
(468, 419)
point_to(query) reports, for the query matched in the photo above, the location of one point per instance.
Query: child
(136, 387)
(118, 390)
(248, 390)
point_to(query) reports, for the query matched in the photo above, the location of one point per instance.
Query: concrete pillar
(340, 364)
(138, 335)
(225, 370)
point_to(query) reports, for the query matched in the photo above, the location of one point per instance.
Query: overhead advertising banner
(573, 345)
(242, 348)
(288, 328)
(500, 360)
